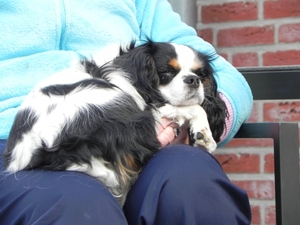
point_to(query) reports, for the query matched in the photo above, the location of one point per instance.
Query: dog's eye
(200, 73)
(165, 71)
(166, 75)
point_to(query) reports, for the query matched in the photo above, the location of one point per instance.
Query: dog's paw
(203, 137)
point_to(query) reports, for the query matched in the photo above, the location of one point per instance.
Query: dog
(102, 119)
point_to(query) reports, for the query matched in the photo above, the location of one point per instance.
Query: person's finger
(165, 123)
(166, 136)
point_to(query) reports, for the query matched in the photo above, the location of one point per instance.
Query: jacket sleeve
(159, 22)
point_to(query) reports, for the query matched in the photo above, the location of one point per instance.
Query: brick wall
(254, 33)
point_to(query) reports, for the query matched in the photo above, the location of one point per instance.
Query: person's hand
(170, 133)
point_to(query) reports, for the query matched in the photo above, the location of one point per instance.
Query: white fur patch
(107, 177)
(99, 171)
(186, 57)
(122, 80)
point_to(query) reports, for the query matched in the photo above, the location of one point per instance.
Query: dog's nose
(192, 81)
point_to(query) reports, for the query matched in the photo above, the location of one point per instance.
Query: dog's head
(177, 74)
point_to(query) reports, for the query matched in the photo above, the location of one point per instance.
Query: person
(179, 185)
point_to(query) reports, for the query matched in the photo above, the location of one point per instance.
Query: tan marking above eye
(174, 63)
(197, 65)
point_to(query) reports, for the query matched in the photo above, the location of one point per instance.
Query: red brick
(254, 117)
(206, 34)
(247, 142)
(269, 163)
(270, 215)
(281, 9)
(245, 36)
(289, 33)
(232, 11)
(255, 210)
(281, 111)
(245, 163)
(258, 189)
(281, 58)
(245, 59)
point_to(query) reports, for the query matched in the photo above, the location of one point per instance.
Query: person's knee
(196, 184)
(59, 198)
(186, 163)
(189, 183)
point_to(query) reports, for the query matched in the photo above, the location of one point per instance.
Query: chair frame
(281, 83)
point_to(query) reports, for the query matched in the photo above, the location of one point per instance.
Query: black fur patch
(64, 89)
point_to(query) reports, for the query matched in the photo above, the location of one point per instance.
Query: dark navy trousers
(181, 185)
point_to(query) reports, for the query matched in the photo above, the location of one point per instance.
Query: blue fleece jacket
(39, 38)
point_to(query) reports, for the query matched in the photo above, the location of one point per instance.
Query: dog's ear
(216, 114)
(139, 63)
(213, 105)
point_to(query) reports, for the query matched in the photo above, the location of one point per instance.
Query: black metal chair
(281, 83)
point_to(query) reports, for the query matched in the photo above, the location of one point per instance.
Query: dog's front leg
(196, 118)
